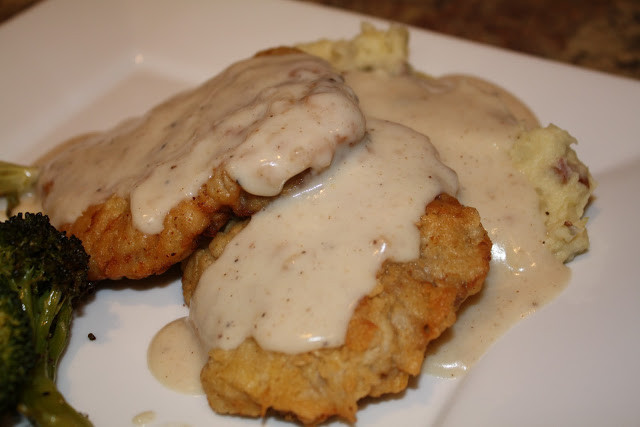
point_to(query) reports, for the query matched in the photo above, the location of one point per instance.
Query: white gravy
(293, 276)
(175, 357)
(265, 119)
(473, 124)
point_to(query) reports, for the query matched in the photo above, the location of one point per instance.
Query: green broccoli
(18, 355)
(16, 180)
(47, 271)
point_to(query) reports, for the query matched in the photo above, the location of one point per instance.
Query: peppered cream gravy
(473, 124)
(266, 119)
(176, 356)
(293, 276)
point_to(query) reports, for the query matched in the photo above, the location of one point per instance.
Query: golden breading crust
(412, 304)
(118, 249)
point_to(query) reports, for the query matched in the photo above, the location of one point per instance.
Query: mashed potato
(372, 49)
(563, 183)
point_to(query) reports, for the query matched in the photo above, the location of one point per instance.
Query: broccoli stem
(16, 178)
(44, 405)
(14, 181)
(49, 305)
(59, 339)
(40, 400)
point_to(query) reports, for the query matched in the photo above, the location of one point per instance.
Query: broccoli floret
(16, 180)
(48, 272)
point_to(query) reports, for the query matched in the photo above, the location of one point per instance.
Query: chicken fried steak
(139, 195)
(118, 249)
(412, 303)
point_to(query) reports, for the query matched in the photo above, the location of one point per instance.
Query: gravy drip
(473, 124)
(175, 357)
(265, 119)
(293, 276)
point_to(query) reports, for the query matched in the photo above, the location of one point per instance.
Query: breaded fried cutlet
(118, 249)
(411, 305)
(141, 194)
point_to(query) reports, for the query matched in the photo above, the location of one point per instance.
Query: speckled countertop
(599, 34)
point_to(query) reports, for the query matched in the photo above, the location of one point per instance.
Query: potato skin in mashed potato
(411, 304)
(563, 183)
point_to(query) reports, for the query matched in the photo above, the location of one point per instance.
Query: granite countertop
(598, 34)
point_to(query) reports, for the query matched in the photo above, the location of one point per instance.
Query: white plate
(70, 66)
